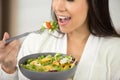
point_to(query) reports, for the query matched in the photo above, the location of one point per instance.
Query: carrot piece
(48, 25)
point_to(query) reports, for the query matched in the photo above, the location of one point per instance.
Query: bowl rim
(45, 53)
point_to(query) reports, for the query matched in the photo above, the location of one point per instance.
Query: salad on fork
(51, 26)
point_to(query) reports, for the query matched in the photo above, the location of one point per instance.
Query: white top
(100, 59)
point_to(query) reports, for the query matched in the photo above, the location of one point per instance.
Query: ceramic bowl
(33, 75)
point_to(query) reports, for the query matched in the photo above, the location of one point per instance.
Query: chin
(64, 31)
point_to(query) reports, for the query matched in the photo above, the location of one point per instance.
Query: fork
(37, 31)
(21, 35)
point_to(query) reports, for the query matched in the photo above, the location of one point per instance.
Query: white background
(115, 13)
(32, 13)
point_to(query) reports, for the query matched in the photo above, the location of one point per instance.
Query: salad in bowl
(48, 66)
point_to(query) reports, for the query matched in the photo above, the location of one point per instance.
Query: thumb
(6, 36)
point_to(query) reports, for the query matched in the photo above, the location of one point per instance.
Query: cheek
(79, 16)
(81, 12)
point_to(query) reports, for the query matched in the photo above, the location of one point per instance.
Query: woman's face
(71, 14)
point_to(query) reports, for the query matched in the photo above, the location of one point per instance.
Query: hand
(8, 54)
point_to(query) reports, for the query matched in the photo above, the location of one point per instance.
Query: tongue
(64, 21)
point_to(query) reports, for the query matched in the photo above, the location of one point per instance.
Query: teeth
(64, 17)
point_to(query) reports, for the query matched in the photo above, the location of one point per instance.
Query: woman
(89, 36)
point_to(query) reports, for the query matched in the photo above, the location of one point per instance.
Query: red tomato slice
(48, 25)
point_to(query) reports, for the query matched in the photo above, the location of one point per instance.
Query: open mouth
(63, 20)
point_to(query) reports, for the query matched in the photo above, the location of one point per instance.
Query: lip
(63, 23)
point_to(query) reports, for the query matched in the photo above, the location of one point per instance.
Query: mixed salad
(49, 25)
(50, 63)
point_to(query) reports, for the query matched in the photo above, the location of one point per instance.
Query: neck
(78, 36)
(76, 42)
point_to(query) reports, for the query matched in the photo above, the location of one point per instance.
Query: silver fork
(21, 35)
(37, 31)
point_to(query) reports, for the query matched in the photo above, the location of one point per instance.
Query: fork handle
(16, 37)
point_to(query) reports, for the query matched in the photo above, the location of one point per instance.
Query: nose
(59, 5)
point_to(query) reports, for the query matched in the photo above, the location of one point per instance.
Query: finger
(12, 52)
(11, 58)
(11, 46)
(6, 36)
(4, 52)
(2, 44)
(14, 48)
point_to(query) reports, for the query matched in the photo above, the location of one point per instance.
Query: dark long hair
(99, 20)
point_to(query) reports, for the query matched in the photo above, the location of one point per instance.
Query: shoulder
(106, 42)
(111, 41)
(110, 47)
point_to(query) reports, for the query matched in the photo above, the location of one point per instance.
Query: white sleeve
(115, 67)
(6, 76)
(114, 61)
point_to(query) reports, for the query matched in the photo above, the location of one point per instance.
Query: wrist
(8, 70)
